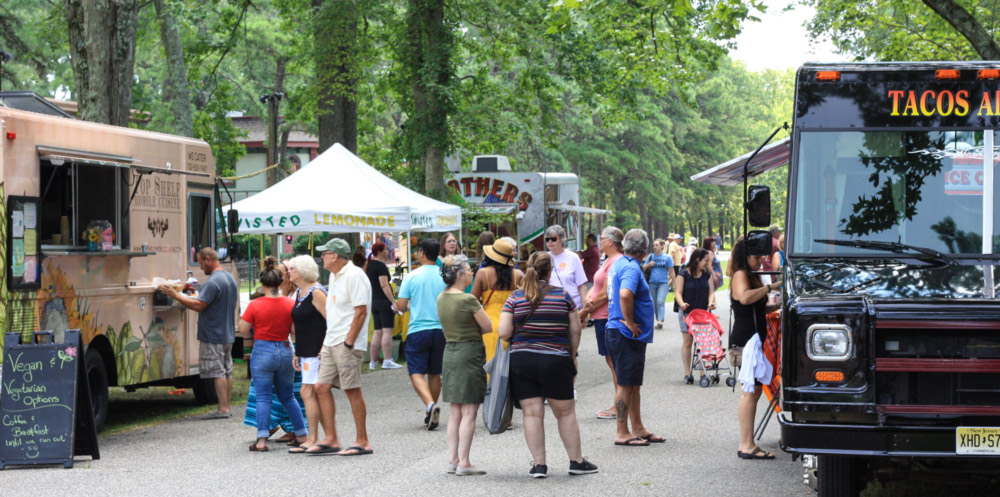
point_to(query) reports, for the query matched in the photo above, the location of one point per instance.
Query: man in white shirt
(348, 304)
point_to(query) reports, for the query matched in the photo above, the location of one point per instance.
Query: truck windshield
(919, 188)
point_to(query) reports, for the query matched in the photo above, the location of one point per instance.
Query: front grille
(937, 364)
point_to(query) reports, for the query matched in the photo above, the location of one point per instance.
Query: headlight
(828, 342)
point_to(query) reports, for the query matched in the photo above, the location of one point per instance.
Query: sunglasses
(552, 239)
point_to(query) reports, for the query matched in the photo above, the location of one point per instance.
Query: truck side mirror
(758, 205)
(233, 221)
(759, 243)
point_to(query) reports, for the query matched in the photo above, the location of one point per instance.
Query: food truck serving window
(75, 193)
(201, 229)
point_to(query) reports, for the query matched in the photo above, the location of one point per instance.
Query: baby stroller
(709, 355)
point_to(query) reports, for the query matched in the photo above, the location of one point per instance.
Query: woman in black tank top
(309, 321)
(748, 295)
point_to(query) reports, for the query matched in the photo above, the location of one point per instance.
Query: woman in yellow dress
(494, 282)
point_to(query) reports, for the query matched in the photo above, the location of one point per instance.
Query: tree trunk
(175, 87)
(335, 55)
(102, 52)
(430, 54)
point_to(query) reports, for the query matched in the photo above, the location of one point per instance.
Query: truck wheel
(839, 476)
(204, 391)
(97, 377)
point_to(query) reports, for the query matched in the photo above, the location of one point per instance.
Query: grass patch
(155, 405)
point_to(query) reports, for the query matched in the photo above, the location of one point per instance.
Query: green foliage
(890, 30)
(212, 125)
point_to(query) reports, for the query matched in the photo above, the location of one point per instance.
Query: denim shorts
(602, 344)
(425, 352)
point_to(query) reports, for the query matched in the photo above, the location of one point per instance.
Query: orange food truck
(91, 214)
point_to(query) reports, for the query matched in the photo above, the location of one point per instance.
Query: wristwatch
(349, 345)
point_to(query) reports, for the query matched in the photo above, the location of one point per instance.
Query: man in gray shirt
(216, 307)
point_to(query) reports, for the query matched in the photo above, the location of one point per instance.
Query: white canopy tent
(339, 192)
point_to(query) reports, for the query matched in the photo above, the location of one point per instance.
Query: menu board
(23, 249)
(45, 412)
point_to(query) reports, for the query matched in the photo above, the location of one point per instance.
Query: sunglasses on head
(552, 239)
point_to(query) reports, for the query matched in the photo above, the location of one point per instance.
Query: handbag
(647, 272)
(498, 406)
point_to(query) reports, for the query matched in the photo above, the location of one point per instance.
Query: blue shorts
(628, 357)
(425, 352)
(602, 345)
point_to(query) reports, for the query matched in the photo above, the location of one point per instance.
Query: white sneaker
(390, 364)
(372, 365)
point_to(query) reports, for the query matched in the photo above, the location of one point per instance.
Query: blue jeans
(271, 366)
(659, 292)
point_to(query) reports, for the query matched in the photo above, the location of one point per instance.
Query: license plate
(977, 441)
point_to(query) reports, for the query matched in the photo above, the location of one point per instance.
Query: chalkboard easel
(45, 411)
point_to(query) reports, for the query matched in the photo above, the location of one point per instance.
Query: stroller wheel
(715, 378)
(704, 381)
(688, 379)
(730, 381)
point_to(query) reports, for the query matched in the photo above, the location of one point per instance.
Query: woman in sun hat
(493, 284)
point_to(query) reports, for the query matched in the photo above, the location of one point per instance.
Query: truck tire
(204, 391)
(97, 377)
(839, 476)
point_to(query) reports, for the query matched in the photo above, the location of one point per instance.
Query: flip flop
(654, 439)
(254, 448)
(358, 451)
(757, 453)
(324, 450)
(297, 450)
(631, 442)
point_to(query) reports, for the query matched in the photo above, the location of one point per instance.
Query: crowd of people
(310, 339)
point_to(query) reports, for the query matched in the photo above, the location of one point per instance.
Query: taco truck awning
(730, 173)
(339, 192)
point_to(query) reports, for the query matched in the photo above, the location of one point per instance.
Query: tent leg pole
(409, 250)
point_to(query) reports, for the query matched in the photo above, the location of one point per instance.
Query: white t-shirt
(349, 288)
(568, 273)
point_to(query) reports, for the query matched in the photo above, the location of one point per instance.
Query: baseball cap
(337, 246)
(774, 227)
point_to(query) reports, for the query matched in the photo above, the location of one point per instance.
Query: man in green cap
(348, 304)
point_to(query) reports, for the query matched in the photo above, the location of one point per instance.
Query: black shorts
(382, 315)
(541, 375)
(628, 357)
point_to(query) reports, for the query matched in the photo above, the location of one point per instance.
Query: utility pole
(272, 100)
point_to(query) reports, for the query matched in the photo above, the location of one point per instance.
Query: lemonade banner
(339, 192)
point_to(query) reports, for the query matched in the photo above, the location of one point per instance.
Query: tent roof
(731, 172)
(339, 192)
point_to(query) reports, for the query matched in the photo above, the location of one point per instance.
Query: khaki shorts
(736, 356)
(215, 360)
(340, 366)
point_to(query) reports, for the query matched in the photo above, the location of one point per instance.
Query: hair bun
(270, 262)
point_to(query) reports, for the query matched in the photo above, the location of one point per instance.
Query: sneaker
(538, 471)
(659, 325)
(435, 416)
(584, 467)
(372, 365)
(452, 467)
(463, 471)
(688, 379)
(390, 364)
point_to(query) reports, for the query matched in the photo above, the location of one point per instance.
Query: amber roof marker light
(988, 74)
(947, 74)
(827, 75)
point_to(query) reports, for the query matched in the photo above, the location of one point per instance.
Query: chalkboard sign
(45, 412)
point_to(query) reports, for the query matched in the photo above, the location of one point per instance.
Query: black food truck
(890, 360)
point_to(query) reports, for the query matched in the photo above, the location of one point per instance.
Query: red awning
(731, 173)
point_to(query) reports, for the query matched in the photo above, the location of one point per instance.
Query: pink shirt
(600, 285)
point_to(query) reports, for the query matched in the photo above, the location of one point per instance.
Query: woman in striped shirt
(542, 326)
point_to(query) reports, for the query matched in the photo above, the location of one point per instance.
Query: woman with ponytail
(541, 324)
(270, 317)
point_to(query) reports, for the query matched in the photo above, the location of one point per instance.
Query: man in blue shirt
(424, 338)
(629, 329)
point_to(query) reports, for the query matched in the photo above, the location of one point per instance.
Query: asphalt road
(194, 457)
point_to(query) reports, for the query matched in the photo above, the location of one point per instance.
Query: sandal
(254, 448)
(756, 453)
(633, 442)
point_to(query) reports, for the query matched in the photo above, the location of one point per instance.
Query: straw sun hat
(501, 252)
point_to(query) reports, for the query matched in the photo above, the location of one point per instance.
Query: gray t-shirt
(217, 323)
